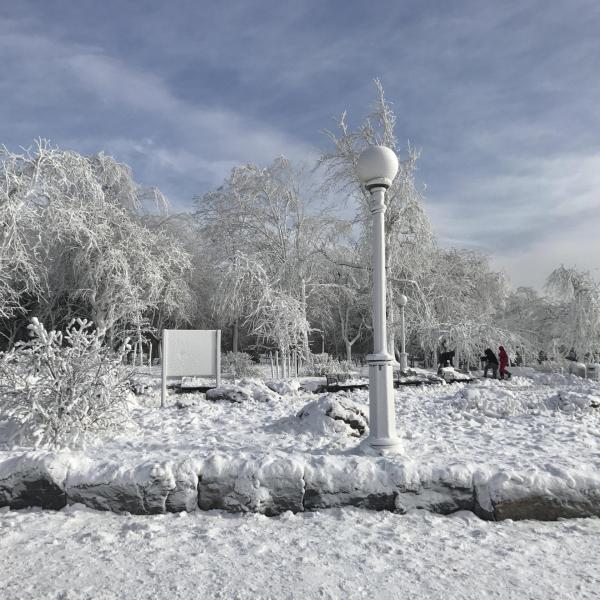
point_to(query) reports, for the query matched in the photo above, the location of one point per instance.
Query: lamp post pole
(377, 166)
(402, 300)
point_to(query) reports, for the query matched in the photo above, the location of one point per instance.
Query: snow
(349, 553)
(536, 433)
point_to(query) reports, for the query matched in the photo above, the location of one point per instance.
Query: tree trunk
(391, 330)
(305, 347)
(140, 345)
(236, 335)
(348, 350)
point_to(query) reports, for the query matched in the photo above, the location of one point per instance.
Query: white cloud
(577, 246)
(200, 142)
(546, 212)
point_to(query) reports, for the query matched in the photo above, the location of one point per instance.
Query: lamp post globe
(377, 166)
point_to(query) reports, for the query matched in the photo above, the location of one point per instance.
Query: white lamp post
(377, 166)
(402, 300)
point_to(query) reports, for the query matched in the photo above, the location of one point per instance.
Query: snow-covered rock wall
(272, 485)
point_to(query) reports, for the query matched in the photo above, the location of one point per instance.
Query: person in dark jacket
(503, 356)
(491, 362)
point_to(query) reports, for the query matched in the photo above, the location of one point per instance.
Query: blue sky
(503, 98)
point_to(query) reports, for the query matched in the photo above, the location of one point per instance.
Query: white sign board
(190, 353)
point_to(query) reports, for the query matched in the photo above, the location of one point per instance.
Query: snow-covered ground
(536, 435)
(537, 419)
(532, 430)
(78, 554)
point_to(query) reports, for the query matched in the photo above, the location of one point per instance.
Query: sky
(502, 99)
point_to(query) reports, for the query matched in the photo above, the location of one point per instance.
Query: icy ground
(77, 554)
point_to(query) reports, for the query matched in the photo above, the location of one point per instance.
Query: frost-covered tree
(90, 253)
(242, 284)
(536, 319)
(465, 297)
(408, 235)
(262, 213)
(578, 295)
(20, 273)
(279, 318)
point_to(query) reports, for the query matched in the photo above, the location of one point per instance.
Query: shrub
(55, 388)
(324, 364)
(239, 364)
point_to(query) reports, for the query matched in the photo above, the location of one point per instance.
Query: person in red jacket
(503, 362)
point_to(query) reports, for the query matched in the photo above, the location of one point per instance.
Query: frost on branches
(75, 242)
(57, 387)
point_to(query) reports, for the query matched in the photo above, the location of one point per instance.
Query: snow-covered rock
(505, 449)
(334, 413)
(109, 486)
(416, 376)
(578, 369)
(246, 390)
(283, 387)
(34, 479)
(572, 401)
(358, 481)
(188, 400)
(266, 485)
(184, 496)
(313, 384)
(544, 495)
(451, 375)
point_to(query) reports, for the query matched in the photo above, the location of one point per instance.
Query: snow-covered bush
(57, 387)
(239, 364)
(320, 365)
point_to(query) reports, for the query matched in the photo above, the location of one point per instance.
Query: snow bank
(491, 398)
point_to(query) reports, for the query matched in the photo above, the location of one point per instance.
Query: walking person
(491, 362)
(503, 356)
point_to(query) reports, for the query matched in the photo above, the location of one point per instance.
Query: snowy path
(80, 554)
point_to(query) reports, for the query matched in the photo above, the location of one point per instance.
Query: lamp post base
(382, 420)
(381, 444)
